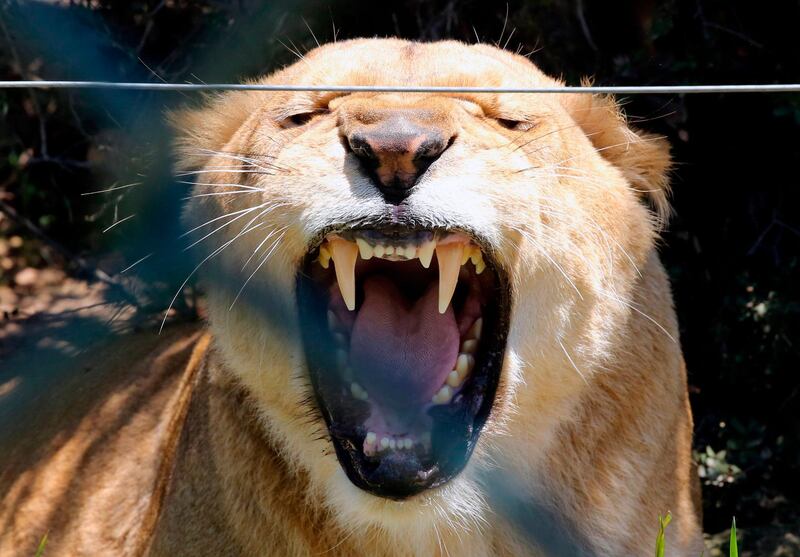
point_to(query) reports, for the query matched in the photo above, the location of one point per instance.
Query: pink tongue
(402, 355)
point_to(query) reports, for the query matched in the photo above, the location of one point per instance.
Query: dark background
(731, 249)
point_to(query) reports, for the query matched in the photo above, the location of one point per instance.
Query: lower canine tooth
(449, 257)
(344, 255)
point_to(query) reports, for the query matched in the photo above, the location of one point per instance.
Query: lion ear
(644, 159)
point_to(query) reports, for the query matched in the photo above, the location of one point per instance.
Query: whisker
(129, 217)
(113, 188)
(212, 254)
(273, 246)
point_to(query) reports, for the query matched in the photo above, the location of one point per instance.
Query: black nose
(396, 152)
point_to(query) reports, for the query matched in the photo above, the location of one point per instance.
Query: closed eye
(518, 125)
(301, 118)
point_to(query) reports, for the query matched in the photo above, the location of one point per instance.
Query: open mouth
(404, 332)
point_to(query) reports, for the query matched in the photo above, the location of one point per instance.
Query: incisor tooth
(364, 249)
(389, 250)
(425, 253)
(400, 250)
(449, 257)
(385, 443)
(344, 255)
(379, 250)
(411, 251)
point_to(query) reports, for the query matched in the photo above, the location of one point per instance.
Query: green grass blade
(663, 522)
(40, 549)
(734, 547)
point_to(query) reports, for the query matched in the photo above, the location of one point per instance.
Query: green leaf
(663, 522)
(40, 549)
(734, 547)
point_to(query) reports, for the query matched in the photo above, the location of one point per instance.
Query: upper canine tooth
(449, 257)
(425, 253)
(344, 255)
(364, 249)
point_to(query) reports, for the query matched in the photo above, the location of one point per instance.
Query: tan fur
(591, 428)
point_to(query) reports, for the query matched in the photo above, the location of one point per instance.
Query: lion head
(411, 284)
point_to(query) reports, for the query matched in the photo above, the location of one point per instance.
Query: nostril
(361, 147)
(431, 149)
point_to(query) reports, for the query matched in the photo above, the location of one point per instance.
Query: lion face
(416, 281)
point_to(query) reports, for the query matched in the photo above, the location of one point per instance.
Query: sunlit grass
(663, 522)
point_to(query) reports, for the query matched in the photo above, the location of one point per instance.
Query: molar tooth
(479, 267)
(444, 395)
(425, 253)
(358, 392)
(344, 255)
(341, 359)
(454, 379)
(469, 346)
(448, 256)
(324, 256)
(379, 250)
(465, 256)
(364, 248)
(475, 330)
(464, 364)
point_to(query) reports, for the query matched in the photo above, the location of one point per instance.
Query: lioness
(438, 326)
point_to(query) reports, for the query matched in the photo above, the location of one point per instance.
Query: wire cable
(626, 90)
